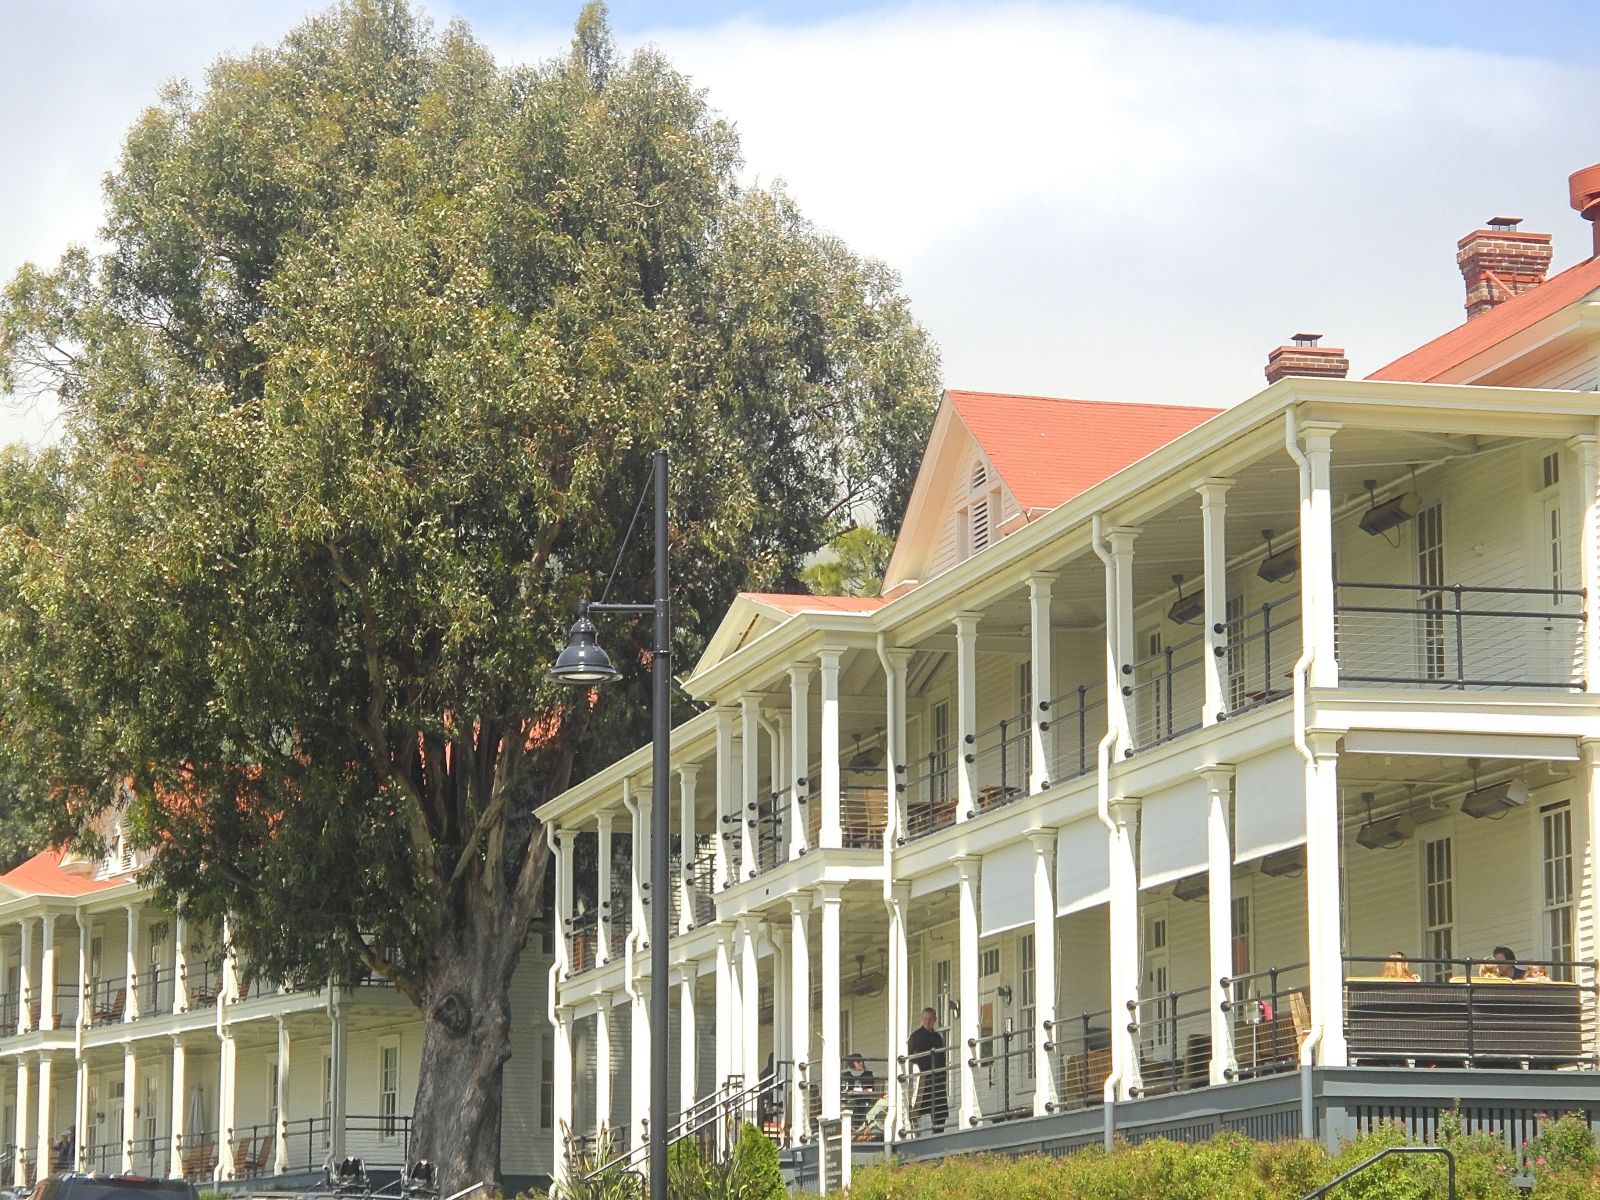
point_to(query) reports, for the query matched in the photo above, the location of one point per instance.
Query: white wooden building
(1170, 727)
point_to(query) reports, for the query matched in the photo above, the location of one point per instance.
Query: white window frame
(273, 1115)
(1438, 900)
(388, 1097)
(1558, 885)
(1027, 997)
(1433, 657)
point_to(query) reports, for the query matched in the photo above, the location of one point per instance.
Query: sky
(1098, 200)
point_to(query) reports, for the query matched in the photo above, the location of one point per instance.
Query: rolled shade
(1172, 834)
(1269, 804)
(1083, 866)
(1006, 900)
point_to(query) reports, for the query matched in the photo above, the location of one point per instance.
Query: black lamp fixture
(1290, 863)
(865, 760)
(1186, 608)
(1192, 887)
(1495, 800)
(1278, 565)
(585, 664)
(1387, 834)
(1392, 513)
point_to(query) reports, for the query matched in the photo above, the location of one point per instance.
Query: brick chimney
(1500, 262)
(1305, 357)
(1585, 185)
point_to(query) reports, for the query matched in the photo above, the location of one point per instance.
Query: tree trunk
(466, 1043)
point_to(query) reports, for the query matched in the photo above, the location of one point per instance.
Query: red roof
(42, 875)
(799, 602)
(1048, 451)
(1433, 359)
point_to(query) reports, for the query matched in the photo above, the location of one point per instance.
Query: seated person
(1536, 974)
(1397, 966)
(858, 1087)
(1505, 964)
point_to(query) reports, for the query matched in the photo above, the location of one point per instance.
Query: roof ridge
(1082, 400)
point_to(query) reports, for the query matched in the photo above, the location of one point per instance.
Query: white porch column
(339, 1065)
(602, 888)
(47, 972)
(750, 780)
(130, 1004)
(778, 939)
(895, 737)
(750, 998)
(800, 756)
(565, 1087)
(564, 839)
(1584, 452)
(1119, 623)
(831, 831)
(25, 976)
(639, 1063)
(723, 1042)
(46, 1114)
(726, 804)
(1219, 918)
(280, 1156)
(962, 1050)
(177, 1107)
(130, 1100)
(1213, 520)
(688, 1036)
(227, 1105)
(1123, 920)
(80, 1111)
(1044, 968)
(799, 1014)
(688, 781)
(602, 1064)
(180, 966)
(1041, 747)
(1323, 917)
(966, 714)
(831, 1079)
(20, 1136)
(1316, 560)
(895, 1120)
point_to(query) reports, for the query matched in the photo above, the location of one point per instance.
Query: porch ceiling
(1425, 787)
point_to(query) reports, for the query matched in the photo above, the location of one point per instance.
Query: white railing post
(799, 756)
(1213, 518)
(966, 715)
(1041, 742)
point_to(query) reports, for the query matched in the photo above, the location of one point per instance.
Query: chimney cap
(1505, 223)
(1584, 187)
(1306, 339)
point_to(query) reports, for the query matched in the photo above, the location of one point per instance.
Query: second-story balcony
(107, 1000)
(9, 1003)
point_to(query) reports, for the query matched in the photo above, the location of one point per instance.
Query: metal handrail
(1151, 728)
(1255, 629)
(1449, 1157)
(1073, 709)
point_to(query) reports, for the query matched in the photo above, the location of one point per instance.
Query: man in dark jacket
(925, 1057)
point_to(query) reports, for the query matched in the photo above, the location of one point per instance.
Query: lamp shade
(583, 661)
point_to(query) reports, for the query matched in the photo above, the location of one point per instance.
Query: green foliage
(592, 1174)
(754, 1168)
(859, 557)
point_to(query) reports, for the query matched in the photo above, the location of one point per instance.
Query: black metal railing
(930, 1081)
(701, 875)
(382, 1141)
(1269, 1019)
(1165, 692)
(197, 1154)
(770, 816)
(1001, 757)
(103, 1158)
(106, 1000)
(152, 1157)
(617, 921)
(1258, 653)
(203, 982)
(1386, 1152)
(1173, 1032)
(255, 1150)
(1471, 1012)
(1076, 721)
(863, 816)
(583, 941)
(1458, 636)
(252, 986)
(928, 794)
(10, 1004)
(154, 989)
(1003, 1067)
(731, 830)
(1080, 1056)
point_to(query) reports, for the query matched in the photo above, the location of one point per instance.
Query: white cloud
(1084, 200)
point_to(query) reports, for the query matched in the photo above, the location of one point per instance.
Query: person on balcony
(925, 1058)
(1507, 968)
(859, 1087)
(1398, 966)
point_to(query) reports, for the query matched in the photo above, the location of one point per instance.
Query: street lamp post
(584, 663)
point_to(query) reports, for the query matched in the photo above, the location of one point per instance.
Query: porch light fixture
(1392, 513)
(1186, 608)
(1278, 565)
(1282, 863)
(585, 664)
(864, 760)
(1387, 834)
(1496, 800)
(1195, 887)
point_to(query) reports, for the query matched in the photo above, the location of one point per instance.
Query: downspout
(1114, 729)
(891, 824)
(1308, 1048)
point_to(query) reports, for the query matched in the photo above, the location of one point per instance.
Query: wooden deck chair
(266, 1148)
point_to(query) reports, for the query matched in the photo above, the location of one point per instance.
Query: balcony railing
(204, 981)
(928, 794)
(107, 1000)
(1003, 1065)
(1080, 1051)
(1165, 692)
(1001, 757)
(1173, 1032)
(1259, 650)
(701, 877)
(197, 1154)
(152, 1157)
(1461, 637)
(772, 822)
(1465, 1012)
(931, 1081)
(255, 1150)
(1270, 1018)
(1076, 721)
(9, 1004)
(617, 921)
(103, 1158)
(155, 991)
(583, 938)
